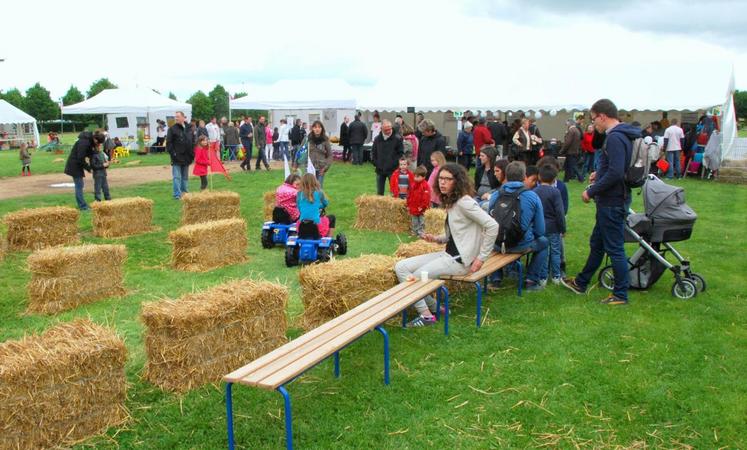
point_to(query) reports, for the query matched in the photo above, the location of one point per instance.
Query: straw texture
(381, 213)
(206, 246)
(122, 217)
(208, 206)
(33, 229)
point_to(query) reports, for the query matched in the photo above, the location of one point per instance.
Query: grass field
(549, 369)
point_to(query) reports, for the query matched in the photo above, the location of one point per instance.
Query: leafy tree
(15, 98)
(219, 98)
(72, 96)
(172, 96)
(202, 106)
(100, 85)
(239, 95)
(740, 104)
(39, 103)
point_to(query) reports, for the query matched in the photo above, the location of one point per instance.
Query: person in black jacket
(357, 134)
(297, 135)
(80, 160)
(485, 180)
(181, 150)
(498, 132)
(431, 141)
(344, 139)
(246, 134)
(386, 151)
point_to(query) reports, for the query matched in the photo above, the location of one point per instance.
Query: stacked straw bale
(417, 248)
(122, 217)
(208, 206)
(205, 246)
(269, 204)
(381, 213)
(62, 386)
(65, 277)
(33, 229)
(434, 221)
(333, 288)
(201, 337)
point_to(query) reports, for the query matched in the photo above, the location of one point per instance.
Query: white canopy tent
(20, 126)
(128, 109)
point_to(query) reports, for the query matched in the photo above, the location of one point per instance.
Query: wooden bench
(494, 263)
(283, 365)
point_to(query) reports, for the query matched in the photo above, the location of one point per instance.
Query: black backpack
(507, 212)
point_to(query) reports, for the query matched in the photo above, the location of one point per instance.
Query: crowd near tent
(16, 126)
(128, 110)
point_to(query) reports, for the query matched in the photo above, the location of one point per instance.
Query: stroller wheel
(700, 282)
(607, 278)
(684, 289)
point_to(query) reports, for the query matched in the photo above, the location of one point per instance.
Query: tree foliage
(15, 98)
(172, 96)
(100, 85)
(239, 95)
(740, 104)
(202, 106)
(219, 97)
(39, 103)
(72, 96)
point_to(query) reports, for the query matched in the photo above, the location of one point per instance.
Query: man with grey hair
(431, 141)
(571, 147)
(386, 151)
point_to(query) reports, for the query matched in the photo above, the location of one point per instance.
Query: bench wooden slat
(493, 263)
(283, 356)
(302, 364)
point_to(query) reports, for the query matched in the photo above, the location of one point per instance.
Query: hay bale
(330, 289)
(65, 277)
(202, 336)
(62, 386)
(122, 217)
(206, 246)
(33, 229)
(269, 204)
(381, 213)
(417, 248)
(208, 206)
(434, 221)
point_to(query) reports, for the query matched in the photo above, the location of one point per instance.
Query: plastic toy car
(309, 247)
(276, 233)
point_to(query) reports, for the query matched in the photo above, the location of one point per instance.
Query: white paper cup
(423, 276)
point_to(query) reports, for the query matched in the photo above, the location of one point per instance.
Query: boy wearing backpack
(521, 222)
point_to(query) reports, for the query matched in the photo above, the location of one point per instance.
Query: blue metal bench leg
(383, 332)
(337, 364)
(229, 416)
(404, 318)
(520, 269)
(478, 285)
(438, 305)
(288, 418)
(444, 293)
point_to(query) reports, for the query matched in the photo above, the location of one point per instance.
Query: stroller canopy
(663, 202)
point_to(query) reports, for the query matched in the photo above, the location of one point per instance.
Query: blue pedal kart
(274, 233)
(309, 247)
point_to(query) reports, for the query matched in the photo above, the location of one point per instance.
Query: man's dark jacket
(82, 149)
(179, 145)
(385, 153)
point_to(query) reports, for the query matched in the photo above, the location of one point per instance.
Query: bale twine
(206, 246)
(381, 213)
(62, 386)
(65, 277)
(208, 206)
(202, 336)
(122, 217)
(33, 229)
(269, 204)
(330, 289)
(434, 221)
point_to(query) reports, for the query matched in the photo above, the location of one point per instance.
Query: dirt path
(15, 187)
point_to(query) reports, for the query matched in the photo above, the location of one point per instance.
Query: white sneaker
(556, 280)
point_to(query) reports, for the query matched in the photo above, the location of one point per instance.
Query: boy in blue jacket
(552, 206)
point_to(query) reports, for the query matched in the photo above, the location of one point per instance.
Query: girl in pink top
(286, 198)
(202, 161)
(437, 159)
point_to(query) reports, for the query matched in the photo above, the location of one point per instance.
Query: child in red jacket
(401, 179)
(201, 161)
(418, 200)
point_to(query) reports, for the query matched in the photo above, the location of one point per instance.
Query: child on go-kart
(311, 201)
(286, 207)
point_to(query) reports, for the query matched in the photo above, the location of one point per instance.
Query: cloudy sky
(644, 54)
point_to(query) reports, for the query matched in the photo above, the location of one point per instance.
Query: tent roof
(10, 114)
(300, 94)
(127, 100)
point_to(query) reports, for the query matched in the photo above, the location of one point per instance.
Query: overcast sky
(393, 52)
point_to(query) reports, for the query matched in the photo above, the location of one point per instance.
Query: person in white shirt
(674, 141)
(284, 138)
(213, 131)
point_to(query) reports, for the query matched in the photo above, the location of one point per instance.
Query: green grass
(550, 368)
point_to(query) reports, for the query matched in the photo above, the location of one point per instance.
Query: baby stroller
(667, 219)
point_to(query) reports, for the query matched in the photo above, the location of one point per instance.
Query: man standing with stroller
(610, 193)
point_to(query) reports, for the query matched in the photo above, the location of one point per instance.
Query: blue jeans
(673, 158)
(597, 155)
(320, 179)
(79, 184)
(538, 261)
(555, 248)
(357, 151)
(607, 237)
(589, 159)
(284, 150)
(180, 175)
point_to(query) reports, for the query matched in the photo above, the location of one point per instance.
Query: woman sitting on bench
(286, 208)
(311, 201)
(469, 238)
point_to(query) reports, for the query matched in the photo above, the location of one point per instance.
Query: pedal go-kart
(309, 247)
(276, 233)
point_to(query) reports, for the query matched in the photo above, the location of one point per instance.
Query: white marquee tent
(20, 126)
(128, 109)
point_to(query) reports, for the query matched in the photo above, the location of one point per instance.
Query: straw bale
(269, 204)
(202, 336)
(208, 206)
(122, 217)
(381, 213)
(330, 289)
(434, 221)
(63, 278)
(205, 246)
(62, 386)
(33, 229)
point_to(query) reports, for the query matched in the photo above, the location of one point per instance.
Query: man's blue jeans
(357, 151)
(673, 158)
(607, 237)
(284, 150)
(180, 175)
(79, 185)
(554, 251)
(537, 262)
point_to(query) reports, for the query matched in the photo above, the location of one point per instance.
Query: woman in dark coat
(80, 161)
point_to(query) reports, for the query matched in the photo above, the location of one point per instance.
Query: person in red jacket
(481, 137)
(418, 200)
(202, 161)
(588, 149)
(401, 179)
